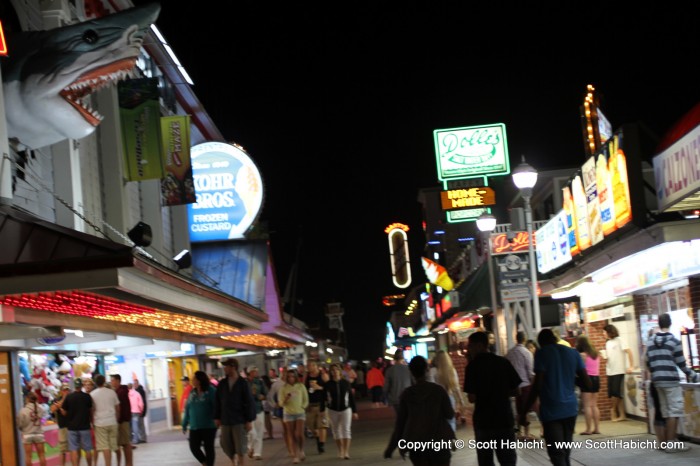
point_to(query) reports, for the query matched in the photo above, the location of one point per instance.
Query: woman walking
(589, 396)
(199, 418)
(341, 410)
(446, 376)
(29, 423)
(294, 399)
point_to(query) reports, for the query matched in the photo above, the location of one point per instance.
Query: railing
(505, 227)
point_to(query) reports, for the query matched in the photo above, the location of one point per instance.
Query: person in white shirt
(615, 350)
(105, 420)
(522, 360)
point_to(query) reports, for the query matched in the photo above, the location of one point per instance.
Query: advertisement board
(552, 244)
(229, 193)
(471, 152)
(596, 203)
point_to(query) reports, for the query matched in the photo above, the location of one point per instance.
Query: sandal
(587, 433)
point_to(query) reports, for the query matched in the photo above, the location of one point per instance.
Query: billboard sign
(677, 174)
(597, 202)
(471, 152)
(466, 198)
(552, 242)
(229, 192)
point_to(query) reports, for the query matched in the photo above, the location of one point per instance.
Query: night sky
(336, 103)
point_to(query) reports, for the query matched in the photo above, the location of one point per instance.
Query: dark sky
(336, 102)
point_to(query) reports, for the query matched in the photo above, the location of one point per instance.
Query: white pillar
(5, 162)
(533, 267)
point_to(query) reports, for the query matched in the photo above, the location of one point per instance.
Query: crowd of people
(94, 417)
(545, 378)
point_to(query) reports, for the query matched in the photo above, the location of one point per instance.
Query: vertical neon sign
(398, 251)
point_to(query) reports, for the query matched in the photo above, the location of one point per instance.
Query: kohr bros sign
(229, 193)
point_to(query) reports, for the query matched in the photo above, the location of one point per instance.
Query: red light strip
(74, 303)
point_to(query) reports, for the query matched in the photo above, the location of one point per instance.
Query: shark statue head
(49, 74)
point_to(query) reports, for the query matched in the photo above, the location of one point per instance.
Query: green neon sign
(471, 152)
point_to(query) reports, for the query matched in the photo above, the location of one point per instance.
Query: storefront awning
(473, 292)
(84, 279)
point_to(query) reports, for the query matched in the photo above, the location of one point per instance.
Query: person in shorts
(316, 418)
(234, 412)
(61, 421)
(124, 420)
(29, 423)
(664, 357)
(78, 409)
(105, 418)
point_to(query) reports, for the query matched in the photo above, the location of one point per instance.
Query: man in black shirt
(490, 380)
(61, 421)
(79, 409)
(316, 420)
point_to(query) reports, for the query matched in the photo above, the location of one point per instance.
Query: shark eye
(90, 36)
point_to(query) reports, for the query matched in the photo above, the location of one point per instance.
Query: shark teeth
(91, 82)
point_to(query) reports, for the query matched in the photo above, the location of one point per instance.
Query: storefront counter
(690, 427)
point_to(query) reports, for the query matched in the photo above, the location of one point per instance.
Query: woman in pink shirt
(136, 403)
(589, 397)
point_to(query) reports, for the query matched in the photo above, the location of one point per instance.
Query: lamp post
(486, 224)
(525, 178)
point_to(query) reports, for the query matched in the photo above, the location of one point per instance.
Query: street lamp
(525, 178)
(486, 224)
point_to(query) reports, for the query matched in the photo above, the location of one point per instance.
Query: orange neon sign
(3, 44)
(396, 226)
(501, 245)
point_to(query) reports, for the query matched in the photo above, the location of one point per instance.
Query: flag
(177, 187)
(437, 274)
(139, 112)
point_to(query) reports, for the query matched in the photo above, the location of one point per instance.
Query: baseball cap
(65, 386)
(78, 382)
(252, 368)
(229, 362)
(185, 379)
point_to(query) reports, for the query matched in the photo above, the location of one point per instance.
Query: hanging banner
(139, 112)
(177, 187)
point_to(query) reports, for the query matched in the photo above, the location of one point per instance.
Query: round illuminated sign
(229, 192)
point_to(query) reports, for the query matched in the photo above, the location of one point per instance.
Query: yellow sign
(466, 198)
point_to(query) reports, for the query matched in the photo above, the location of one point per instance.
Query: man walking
(316, 420)
(664, 355)
(141, 434)
(105, 418)
(234, 412)
(123, 419)
(61, 421)
(556, 369)
(79, 410)
(256, 434)
(522, 360)
(489, 381)
(396, 380)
